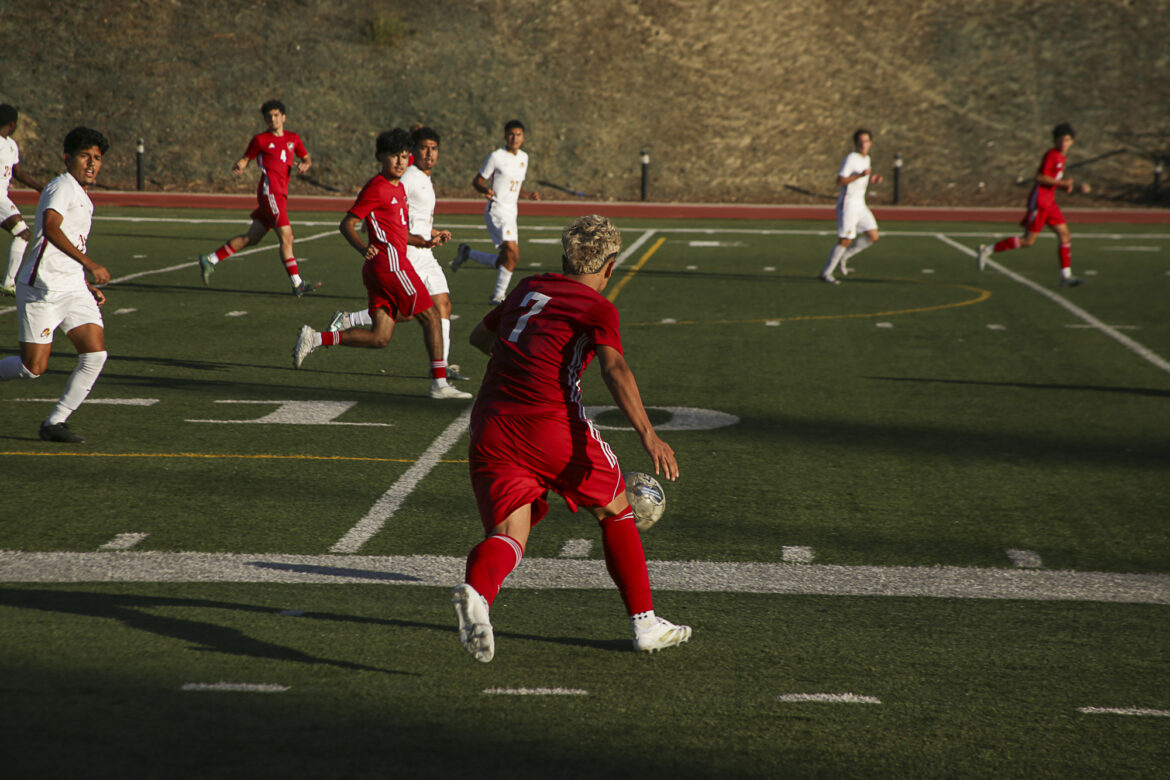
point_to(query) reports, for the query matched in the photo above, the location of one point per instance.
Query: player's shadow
(134, 612)
(336, 571)
(1143, 391)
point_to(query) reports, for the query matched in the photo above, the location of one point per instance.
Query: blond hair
(588, 243)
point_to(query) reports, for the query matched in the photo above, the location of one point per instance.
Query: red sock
(490, 563)
(438, 369)
(330, 338)
(1007, 244)
(1065, 252)
(290, 265)
(626, 561)
(224, 252)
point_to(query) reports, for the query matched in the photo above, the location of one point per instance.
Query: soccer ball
(646, 497)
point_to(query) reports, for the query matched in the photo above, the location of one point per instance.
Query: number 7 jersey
(547, 332)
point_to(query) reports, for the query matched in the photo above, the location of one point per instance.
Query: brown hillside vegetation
(735, 100)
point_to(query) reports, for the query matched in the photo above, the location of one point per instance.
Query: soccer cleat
(8, 289)
(305, 287)
(59, 432)
(206, 268)
(494, 301)
(448, 391)
(844, 270)
(454, 374)
(475, 628)
(461, 255)
(304, 346)
(982, 255)
(827, 279)
(340, 321)
(1072, 281)
(665, 634)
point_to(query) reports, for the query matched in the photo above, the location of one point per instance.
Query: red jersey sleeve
(254, 149)
(299, 147)
(606, 326)
(367, 201)
(1053, 164)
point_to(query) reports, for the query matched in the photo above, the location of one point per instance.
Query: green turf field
(941, 492)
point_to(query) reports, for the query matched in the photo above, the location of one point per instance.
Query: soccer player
(1042, 208)
(52, 290)
(276, 151)
(10, 216)
(501, 181)
(530, 435)
(853, 215)
(394, 290)
(420, 199)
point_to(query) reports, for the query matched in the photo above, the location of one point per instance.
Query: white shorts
(501, 225)
(40, 312)
(428, 269)
(854, 217)
(8, 209)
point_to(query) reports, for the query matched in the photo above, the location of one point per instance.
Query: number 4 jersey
(547, 331)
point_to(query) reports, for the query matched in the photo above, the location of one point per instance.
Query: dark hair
(8, 114)
(1064, 128)
(80, 138)
(860, 132)
(393, 141)
(513, 124)
(423, 133)
(271, 104)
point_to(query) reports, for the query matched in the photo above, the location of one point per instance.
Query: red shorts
(400, 292)
(272, 211)
(1036, 218)
(516, 459)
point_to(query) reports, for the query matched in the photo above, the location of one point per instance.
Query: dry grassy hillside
(736, 100)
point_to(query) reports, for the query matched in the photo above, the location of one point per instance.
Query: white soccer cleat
(454, 374)
(461, 255)
(448, 391)
(475, 627)
(496, 300)
(982, 256)
(304, 346)
(340, 321)
(662, 635)
(828, 279)
(1071, 281)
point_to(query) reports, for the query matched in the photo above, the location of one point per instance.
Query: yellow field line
(613, 294)
(211, 456)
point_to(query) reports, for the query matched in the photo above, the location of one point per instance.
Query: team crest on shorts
(45, 333)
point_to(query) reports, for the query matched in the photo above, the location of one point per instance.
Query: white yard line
(559, 573)
(642, 239)
(831, 698)
(1142, 711)
(393, 498)
(1125, 341)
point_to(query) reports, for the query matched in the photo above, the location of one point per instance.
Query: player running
(1042, 208)
(276, 151)
(52, 290)
(395, 292)
(10, 216)
(420, 199)
(501, 181)
(530, 435)
(853, 215)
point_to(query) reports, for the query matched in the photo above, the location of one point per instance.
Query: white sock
(12, 367)
(295, 279)
(81, 381)
(483, 257)
(855, 247)
(445, 324)
(503, 278)
(361, 319)
(834, 259)
(1066, 273)
(15, 255)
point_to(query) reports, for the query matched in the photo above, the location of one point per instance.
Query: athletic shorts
(8, 209)
(428, 269)
(516, 459)
(1036, 218)
(272, 211)
(40, 312)
(400, 292)
(501, 224)
(854, 217)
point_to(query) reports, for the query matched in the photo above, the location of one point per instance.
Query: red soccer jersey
(547, 332)
(1052, 165)
(382, 206)
(275, 154)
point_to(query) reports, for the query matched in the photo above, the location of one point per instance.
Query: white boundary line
(831, 698)
(235, 687)
(1125, 341)
(625, 255)
(1124, 711)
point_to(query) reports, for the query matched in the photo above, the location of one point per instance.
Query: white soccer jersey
(9, 157)
(854, 164)
(505, 173)
(45, 266)
(420, 199)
